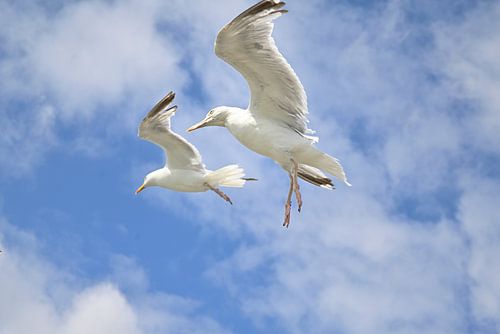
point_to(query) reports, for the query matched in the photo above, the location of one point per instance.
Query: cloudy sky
(404, 93)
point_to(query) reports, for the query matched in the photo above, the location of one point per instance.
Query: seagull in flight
(275, 122)
(184, 170)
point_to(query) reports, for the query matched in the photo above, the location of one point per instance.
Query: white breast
(185, 181)
(265, 137)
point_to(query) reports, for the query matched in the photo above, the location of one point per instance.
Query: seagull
(184, 170)
(275, 122)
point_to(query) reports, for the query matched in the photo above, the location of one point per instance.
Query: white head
(152, 179)
(215, 117)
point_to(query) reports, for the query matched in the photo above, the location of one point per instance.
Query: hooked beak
(141, 188)
(198, 125)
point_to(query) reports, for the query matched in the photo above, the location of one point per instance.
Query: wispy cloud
(468, 53)
(481, 225)
(82, 61)
(405, 95)
(25, 139)
(89, 55)
(38, 297)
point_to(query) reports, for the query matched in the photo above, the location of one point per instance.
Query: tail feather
(332, 166)
(228, 176)
(324, 162)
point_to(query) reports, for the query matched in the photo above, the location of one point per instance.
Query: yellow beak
(141, 188)
(198, 125)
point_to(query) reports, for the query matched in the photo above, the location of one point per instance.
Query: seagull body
(275, 122)
(267, 138)
(180, 180)
(184, 170)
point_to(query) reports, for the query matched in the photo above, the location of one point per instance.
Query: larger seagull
(184, 170)
(275, 122)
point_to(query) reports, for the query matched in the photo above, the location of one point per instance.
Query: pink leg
(296, 187)
(220, 193)
(288, 204)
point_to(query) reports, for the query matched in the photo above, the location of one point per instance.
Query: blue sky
(404, 93)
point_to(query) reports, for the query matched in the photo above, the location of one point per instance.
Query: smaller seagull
(184, 170)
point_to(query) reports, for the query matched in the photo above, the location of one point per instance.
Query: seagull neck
(165, 171)
(232, 113)
(161, 173)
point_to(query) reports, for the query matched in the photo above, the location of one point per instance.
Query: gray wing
(246, 44)
(155, 128)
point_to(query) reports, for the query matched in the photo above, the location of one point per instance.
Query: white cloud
(481, 224)
(24, 139)
(93, 61)
(96, 53)
(91, 55)
(348, 266)
(101, 309)
(40, 298)
(468, 54)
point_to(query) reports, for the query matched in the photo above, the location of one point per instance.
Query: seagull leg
(288, 204)
(220, 193)
(296, 187)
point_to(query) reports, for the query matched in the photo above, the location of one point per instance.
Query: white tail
(332, 166)
(228, 176)
(324, 162)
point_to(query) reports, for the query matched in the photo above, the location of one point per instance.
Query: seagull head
(215, 117)
(152, 179)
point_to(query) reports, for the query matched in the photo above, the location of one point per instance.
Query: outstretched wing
(155, 128)
(247, 45)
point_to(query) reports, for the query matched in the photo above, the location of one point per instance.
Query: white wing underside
(247, 45)
(155, 128)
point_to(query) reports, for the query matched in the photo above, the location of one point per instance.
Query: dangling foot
(220, 193)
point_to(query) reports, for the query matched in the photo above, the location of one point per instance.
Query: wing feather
(155, 128)
(246, 43)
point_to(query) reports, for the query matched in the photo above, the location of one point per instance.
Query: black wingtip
(162, 104)
(259, 7)
(282, 11)
(173, 109)
(280, 4)
(168, 98)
